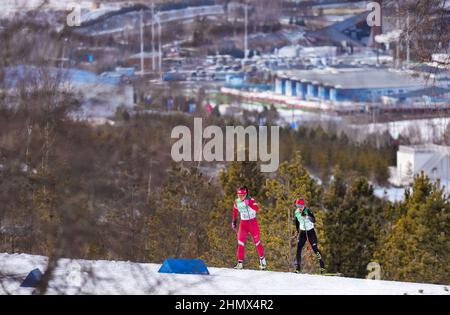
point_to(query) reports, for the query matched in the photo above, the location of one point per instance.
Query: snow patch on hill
(112, 277)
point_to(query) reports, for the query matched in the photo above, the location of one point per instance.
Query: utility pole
(397, 57)
(246, 33)
(290, 218)
(408, 41)
(160, 46)
(290, 238)
(153, 38)
(142, 42)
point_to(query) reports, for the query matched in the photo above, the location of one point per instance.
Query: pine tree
(351, 226)
(335, 194)
(417, 247)
(177, 228)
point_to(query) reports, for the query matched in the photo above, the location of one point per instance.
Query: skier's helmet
(242, 191)
(299, 203)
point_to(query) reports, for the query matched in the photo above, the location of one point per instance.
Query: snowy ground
(396, 194)
(393, 194)
(109, 277)
(418, 130)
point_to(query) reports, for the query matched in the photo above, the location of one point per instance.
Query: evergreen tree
(351, 226)
(417, 247)
(177, 228)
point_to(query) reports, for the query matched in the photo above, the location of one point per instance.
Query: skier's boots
(239, 265)
(323, 271)
(263, 264)
(297, 269)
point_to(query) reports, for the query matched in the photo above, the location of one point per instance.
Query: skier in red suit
(247, 208)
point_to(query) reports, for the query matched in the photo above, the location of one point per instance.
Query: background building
(433, 160)
(349, 84)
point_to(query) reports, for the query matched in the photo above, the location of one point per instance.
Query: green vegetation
(70, 189)
(324, 152)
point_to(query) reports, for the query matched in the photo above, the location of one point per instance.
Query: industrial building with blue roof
(351, 84)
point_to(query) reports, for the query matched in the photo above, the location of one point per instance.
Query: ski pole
(290, 239)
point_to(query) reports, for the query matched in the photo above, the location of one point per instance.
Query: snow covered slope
(109, 277)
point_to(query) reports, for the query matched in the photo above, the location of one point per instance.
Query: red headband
(241, 192)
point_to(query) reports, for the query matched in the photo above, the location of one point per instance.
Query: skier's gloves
(233, 225)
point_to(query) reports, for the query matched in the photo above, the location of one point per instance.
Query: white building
(433, 160)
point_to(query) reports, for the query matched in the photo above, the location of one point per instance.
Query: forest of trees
(324, 151)
(70, 189)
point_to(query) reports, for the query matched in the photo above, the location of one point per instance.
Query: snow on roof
(144, 54)
(357, 78)
(19, 73)
(335, 32)
(86, 77)
(425, 148)
(389, 37)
